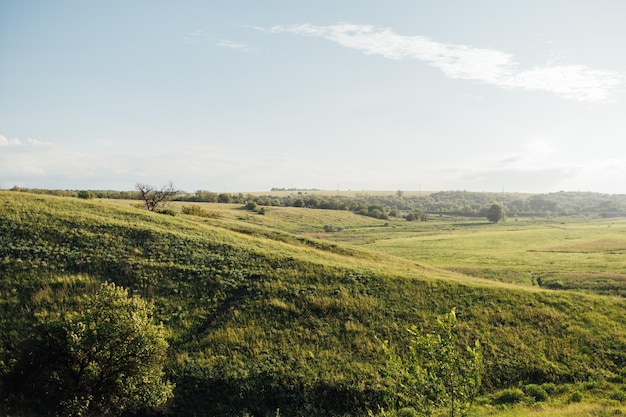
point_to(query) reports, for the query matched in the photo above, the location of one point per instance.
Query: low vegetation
(273, 314)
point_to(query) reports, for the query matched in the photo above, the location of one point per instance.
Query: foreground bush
(103, 361)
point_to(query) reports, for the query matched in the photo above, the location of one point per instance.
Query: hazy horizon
(319, 191)
(225, 96)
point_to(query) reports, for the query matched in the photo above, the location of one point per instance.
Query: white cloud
(18, 142)
(198, 36)
(488, 66)
(575, 82)
(9, 142)
(225, 43)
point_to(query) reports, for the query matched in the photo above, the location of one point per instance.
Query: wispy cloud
(195, 37)
(18, 142)
(225, 43)
(198, 36)
(483, 65)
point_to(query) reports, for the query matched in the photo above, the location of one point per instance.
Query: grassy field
(578, 253)
(267, 312)
(585, 254)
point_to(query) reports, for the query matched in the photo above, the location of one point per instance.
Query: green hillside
(266, 313)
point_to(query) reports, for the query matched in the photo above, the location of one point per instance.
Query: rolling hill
(262, 315)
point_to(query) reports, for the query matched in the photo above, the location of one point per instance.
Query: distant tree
(154, 197)
(495, 213)
(206, 196)
(103, 361)
(224, 198)
(87, 195)
(312, 202)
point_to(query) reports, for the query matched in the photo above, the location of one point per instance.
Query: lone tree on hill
(495, 213)
(154, 197)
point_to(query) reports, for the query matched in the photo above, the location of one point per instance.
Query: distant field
(577, 253)
(573, 253)
(344, 193)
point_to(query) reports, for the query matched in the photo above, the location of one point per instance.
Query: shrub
(199, 211)
(576, 397)
(618, 396)
(407, 412)
(536, 391)
(251, 205)
(224, 198)
(193, 211)
(168, 212)
(457, 376)
(87, 195)
(104, 360)
(549, 387)
(509, 396)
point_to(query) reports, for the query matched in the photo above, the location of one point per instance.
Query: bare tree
(154, 197)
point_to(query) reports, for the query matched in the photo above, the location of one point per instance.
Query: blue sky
(360, 95)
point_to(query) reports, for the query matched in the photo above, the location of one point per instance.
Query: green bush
(199, 211)
(168, 212)
(536, 391)
(407, 412)
(576, 397)
(329, 228)
(550, 388)
(509, 396)
(618, 396)
(87, 195)
(621, 376)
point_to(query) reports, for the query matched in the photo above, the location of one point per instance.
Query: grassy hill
(271, 312)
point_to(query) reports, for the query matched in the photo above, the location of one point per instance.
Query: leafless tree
(154, 197)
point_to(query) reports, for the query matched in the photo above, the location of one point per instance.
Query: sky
(235, 96)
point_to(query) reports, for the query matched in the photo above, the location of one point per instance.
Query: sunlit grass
(567, 410)
(273, 302)
(520, 253)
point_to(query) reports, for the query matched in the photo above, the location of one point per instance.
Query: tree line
(461, 203)
(395, 204)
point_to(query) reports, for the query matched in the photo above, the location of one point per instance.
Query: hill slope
(260, 319)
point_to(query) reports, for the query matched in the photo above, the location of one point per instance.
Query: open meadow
(286, 312)
(561, 253)
(575, 252)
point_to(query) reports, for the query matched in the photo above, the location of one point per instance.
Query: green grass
(578, 254)
(267, 312)
(569, 410)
